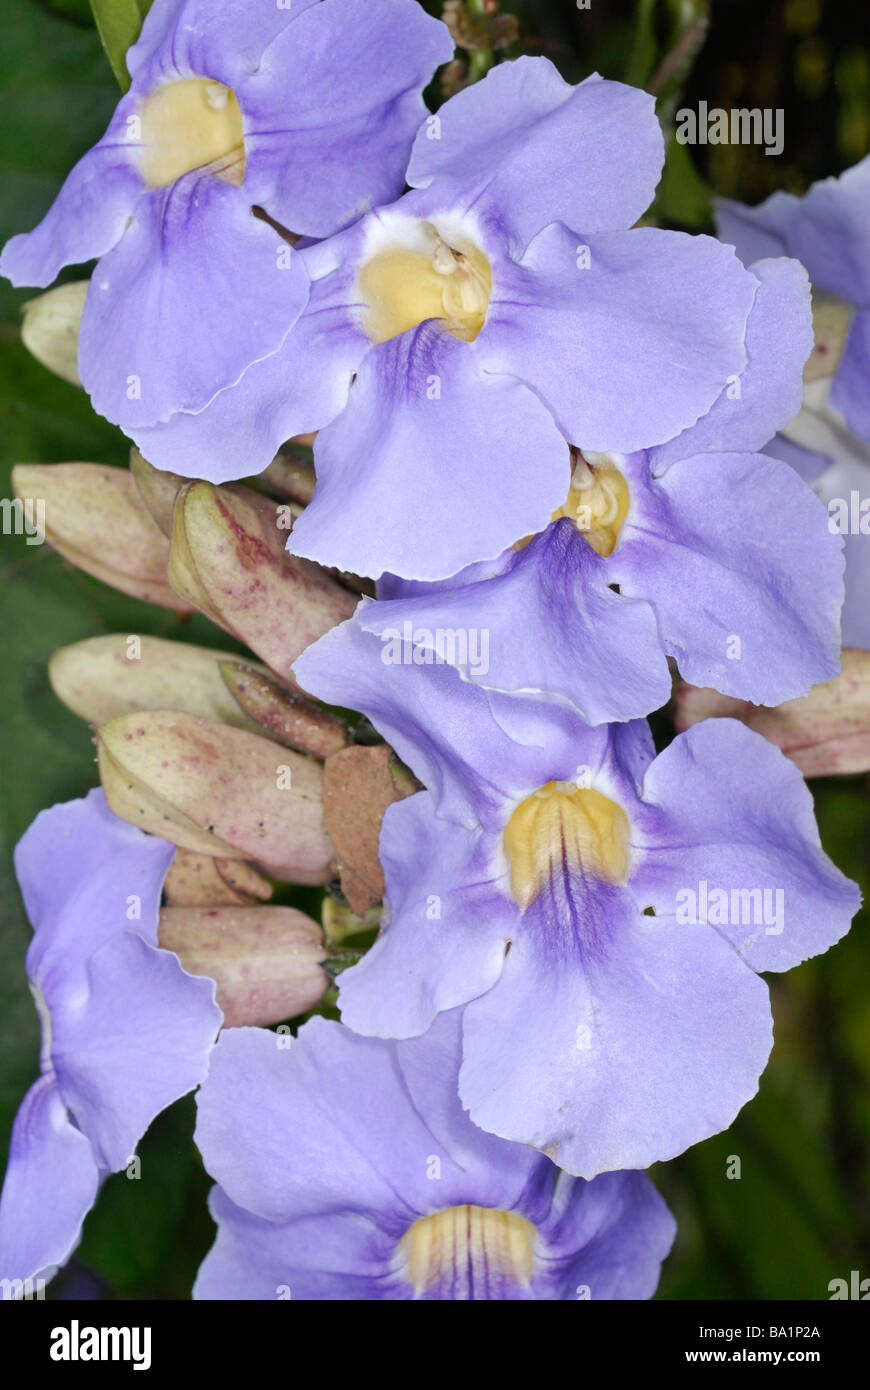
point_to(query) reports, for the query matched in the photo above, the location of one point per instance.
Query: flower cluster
(544, 432)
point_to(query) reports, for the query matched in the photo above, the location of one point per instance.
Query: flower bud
(228, 558)
(219, 791)
(290, 477)
(825, 732)
(158, 490)
(104, 677)
(289, 717)
(265, 961)
(340, 923)
(95, 518)
(198, 880)
(50, 328)
(358, 786)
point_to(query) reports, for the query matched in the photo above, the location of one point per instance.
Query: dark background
(799, 1216)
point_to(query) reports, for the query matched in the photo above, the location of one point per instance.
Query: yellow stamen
(562, 823)
(404, 287)
(471, 1246)
(597, 502)
(185, 125)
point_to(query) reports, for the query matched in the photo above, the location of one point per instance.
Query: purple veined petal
(620, 1056)
(89, 214)
(50, 1186)
(197, 273)
(209, 38)
(432, 464)
(331, 123)
(542, 151)
(757, 835)
(341, 1255)
(298, 389)
(450, 924)
(628, 336)
(851, 385)
(760, 232)
(734, 553)
(451, 733)
(139, 1040)
(589, 1231)
(283, 1129)
(105, 877)
(779, 339)
(546, 628)
(606, 1240)
(349, 1142)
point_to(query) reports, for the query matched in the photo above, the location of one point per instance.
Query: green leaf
(119, 23)
(682, 197)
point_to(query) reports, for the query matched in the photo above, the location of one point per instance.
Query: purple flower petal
(756, 233)
(631, 349)
(140, 1039)
(651, 1042)
(263, 1087)
(101, 868)
(843, 486)
(296, 390)
(449, 927)
(89, 214)
(209, 38)
(50, 1186)
(343, 1255)
(330, 1150)
(475, 752)
(734, 553)
(826, 229)
(543, 151)
(125, 1029)
(419, 412)
(779, 339)
(766, 847)
(590, 1230)
(331, 121)
(185, 254)
(521, 632)
(851, 385)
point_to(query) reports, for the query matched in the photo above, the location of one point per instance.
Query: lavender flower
(348, 1170)
(458, 338)
(233, 111)
(125, 1031)
(827, 441)
(702, 550)
(602, 914)
(827, 231)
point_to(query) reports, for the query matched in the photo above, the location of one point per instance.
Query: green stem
(480, 60)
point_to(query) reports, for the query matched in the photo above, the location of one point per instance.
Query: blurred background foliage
(799, 1214)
